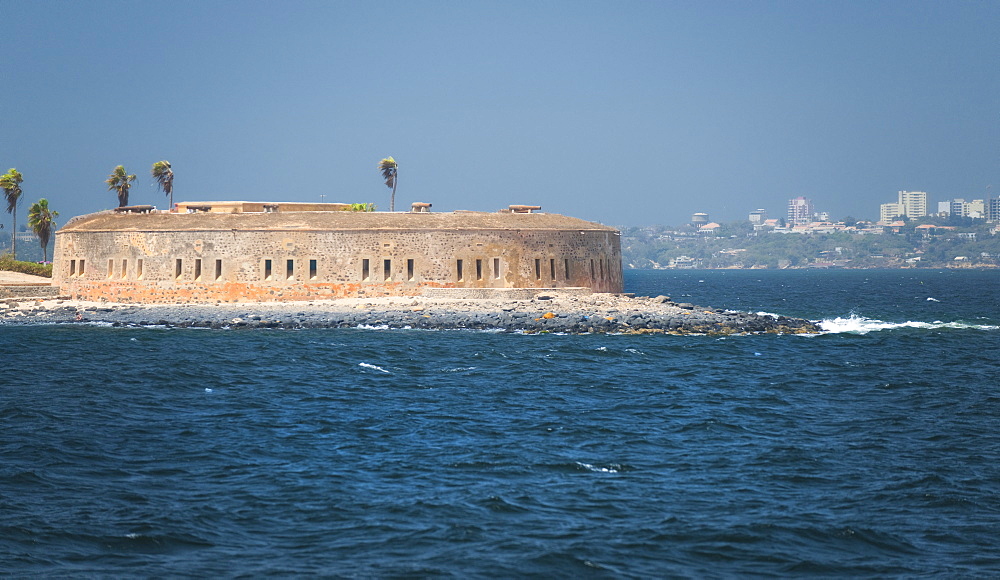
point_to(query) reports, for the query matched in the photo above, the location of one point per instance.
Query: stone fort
(253, 251)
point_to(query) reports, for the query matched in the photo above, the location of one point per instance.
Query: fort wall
(209, 257)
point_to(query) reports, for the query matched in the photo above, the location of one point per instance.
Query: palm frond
(10, 182)
(389, 169)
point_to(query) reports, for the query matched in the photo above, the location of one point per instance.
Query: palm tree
(120, 181)
(164, 177)
(11, 184)
(40, 220)
(390, 172)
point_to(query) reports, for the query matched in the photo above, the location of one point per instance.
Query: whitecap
(613, 468)
(932, 299)
(855, 324)
(373, 367)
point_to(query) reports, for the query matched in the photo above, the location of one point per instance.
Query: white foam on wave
(459, 369)
(855, 324)
(610, 469)
(373, 367)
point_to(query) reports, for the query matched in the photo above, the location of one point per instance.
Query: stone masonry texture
(302, 255)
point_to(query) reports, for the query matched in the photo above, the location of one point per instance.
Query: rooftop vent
(420, 207)
(524, 208)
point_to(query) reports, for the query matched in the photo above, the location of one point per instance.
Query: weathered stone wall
(28, 291)
(274, 264)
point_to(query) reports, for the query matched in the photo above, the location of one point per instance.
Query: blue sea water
(871, 450)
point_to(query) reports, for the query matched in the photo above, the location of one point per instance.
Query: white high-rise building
(914, 203)
(890, 211)
(800, 211)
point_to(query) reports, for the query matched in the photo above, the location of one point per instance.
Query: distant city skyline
(909, 204)
(626, 113)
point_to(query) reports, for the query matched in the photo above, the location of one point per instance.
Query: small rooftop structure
(256, 206)
(135, 209)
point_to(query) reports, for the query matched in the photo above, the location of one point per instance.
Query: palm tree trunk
(392, 198)
(13, 235)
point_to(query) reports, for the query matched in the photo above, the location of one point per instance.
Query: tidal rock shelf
(596, 313)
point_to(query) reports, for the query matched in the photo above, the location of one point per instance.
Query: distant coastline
(832, 267)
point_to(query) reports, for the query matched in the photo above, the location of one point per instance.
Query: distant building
(800, 211)
(699, 219)
(890, 211)
(757, 216)
(914, 203)
(977, 208)
(944, 208)
(709, 228)
(911, 204)
(993, 209)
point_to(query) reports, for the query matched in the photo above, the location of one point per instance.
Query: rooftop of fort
(227, 215)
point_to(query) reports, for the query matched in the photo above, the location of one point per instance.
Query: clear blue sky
(628, 113)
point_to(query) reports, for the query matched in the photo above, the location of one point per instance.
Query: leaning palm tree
(164, 177)
(390, 172)
(11, 184)
(40, 220)
(120, 182)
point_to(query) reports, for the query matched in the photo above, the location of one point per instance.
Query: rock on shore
(596, 313)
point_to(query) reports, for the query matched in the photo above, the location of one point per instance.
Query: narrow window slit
(387, 270)
(479, 269)
(365, 269)
(409, 269)
(312, 269)
(197, 268)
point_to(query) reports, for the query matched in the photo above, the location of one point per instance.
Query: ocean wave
(373, 367)
(855, 324)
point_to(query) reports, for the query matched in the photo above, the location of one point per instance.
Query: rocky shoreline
(596, 313)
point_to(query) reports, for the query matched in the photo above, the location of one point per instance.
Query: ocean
(870, 450)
